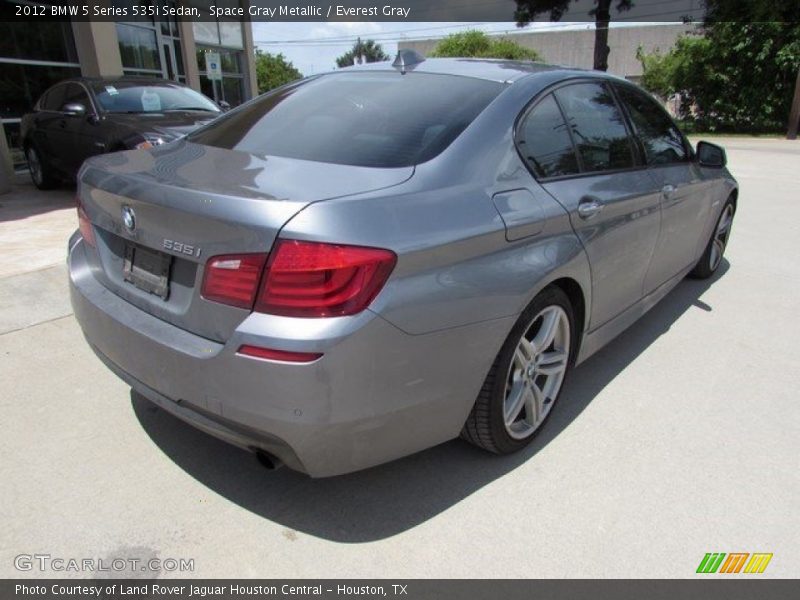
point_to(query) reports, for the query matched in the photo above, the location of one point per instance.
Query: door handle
(589, 207)
(668, 190)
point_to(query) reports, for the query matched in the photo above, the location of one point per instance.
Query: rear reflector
(281, 355)
(85, 226)
(312, 279)
(233, 279)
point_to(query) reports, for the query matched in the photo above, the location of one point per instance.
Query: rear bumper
(377, 393)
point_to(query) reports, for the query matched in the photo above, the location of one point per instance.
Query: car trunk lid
(189, 202)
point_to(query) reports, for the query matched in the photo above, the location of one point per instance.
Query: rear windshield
(365, 119)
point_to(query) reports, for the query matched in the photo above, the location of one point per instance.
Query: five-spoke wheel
(536, 372)
(715, 249)
(527, 376)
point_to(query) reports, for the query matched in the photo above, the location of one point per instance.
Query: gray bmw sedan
(363, 264)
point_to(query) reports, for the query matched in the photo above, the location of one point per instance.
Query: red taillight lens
(85, 226)
(233, 278)
(282, 355)
(312, 279)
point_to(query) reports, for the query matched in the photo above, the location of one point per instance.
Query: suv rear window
(370, 119)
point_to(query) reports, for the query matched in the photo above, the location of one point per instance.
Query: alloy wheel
(536, 372)
(35, 166)
(721, 237)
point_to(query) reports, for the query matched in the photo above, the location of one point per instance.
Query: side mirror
(74, 109)
(224, 106)
(711, 155)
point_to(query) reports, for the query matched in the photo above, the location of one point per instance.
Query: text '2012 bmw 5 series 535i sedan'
(367, 263)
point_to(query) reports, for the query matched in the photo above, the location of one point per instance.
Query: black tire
(709, 262)
(41, 172)
(485, 427)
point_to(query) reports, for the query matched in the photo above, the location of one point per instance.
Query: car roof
(492, 69)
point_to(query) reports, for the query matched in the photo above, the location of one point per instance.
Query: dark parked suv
(79, 118)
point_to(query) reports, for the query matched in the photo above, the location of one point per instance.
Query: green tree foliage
(370, 50)
(734, 77)
(477, 44)
(273, 70)
(528, 10)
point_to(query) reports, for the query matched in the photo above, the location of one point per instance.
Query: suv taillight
(301, 279)
(233, 278)
(84, 225)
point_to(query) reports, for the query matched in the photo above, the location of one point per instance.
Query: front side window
(544, 141)
(660, 138)
(597, 127)
(142, 97)
(370, 119)
(76, 94)
(54, 99)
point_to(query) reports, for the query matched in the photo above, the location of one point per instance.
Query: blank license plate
(147, 269)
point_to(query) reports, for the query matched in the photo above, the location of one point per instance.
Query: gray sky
(305, 45)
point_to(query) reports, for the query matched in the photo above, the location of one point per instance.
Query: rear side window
(660, 138)
(371, 119)
(544, 141)
(597, 127)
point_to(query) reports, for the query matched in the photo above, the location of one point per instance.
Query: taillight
(84, 225)
(312, 279)
(301, 279)
(233, 279)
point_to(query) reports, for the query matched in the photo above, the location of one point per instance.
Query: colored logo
(735, 562)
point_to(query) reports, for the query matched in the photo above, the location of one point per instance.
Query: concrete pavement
(680, 438)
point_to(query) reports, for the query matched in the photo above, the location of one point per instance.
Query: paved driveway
(680, 438)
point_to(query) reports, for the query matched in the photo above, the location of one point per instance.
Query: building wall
(575, 48)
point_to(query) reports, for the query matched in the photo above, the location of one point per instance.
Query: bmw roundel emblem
(128, 218)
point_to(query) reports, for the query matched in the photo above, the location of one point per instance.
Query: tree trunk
(794, 112)
(601, 49)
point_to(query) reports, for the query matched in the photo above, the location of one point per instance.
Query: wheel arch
(577, 299)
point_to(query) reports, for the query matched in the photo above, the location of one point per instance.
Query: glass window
(134, 73)
(597, 127)
(206, 32)
(37, 40)
(544, 141)
(232, 90)
(179, 56)
(356, 118)
(138, 47)
(230, 34)
(230, 60)
(207, 86)
(158, 96)
(660, 138)
(22, 84)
